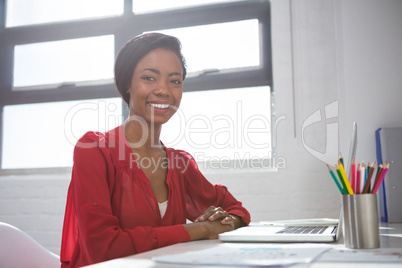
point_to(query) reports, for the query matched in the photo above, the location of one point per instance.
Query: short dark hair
(134, 50)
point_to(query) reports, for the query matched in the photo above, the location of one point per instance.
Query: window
(140, 6)
(57, 67)
(44, 134)
(240, 36)
(23, 12)
(59, 62)
(209, 130)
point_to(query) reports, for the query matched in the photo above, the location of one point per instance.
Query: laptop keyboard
(303, 230)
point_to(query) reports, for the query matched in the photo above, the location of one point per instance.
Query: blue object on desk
(389, 149)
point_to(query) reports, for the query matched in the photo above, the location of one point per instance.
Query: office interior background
(342, 54)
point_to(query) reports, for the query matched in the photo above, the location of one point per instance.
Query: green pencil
(345, 191)
(368, 172)
(341, 159)
(335, 179)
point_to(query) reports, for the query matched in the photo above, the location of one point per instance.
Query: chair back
(18, 249)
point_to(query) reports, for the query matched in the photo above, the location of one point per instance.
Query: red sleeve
(93, 228)
(201, 194)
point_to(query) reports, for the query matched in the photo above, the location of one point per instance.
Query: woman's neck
(142, 135)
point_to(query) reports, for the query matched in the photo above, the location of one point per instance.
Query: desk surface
(390, 235)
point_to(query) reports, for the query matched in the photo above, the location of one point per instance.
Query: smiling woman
(62, 54)
(129, 193)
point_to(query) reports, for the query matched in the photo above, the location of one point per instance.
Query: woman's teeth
(159, 106)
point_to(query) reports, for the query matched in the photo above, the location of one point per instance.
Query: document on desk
(378, 255)
(244, 254)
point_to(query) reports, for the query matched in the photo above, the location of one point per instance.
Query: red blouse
(111, 211)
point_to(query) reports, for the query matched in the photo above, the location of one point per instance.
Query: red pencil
(379, 174)
(353, 168)
(358, 180)
(381, 177)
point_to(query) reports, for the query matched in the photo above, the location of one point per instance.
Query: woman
(128, 192)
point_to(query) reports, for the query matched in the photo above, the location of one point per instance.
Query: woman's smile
(157, 86)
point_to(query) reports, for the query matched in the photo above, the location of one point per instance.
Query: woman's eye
(177, 82)
(148, 78)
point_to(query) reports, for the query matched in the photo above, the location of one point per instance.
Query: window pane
(27, 12)
(219, 46)
(222, 124)
(57, 62)
(44, 134)
(141, 6)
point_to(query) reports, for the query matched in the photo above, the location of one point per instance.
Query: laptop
(286, 232)
(314, 230)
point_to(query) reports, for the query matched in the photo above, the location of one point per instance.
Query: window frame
(117, 26)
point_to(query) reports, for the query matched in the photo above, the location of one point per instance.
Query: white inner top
(162, 208)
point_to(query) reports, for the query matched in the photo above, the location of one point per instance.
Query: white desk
(390, 235)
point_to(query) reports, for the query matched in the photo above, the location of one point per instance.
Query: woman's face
(156, 86)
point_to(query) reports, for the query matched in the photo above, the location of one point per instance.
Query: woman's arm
(91, 231)
(209, 204)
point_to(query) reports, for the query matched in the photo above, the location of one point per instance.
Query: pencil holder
(361, 224)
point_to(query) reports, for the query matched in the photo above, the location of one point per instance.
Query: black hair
(134, 50)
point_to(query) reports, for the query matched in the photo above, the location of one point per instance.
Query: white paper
(380, 255)
(241, 254)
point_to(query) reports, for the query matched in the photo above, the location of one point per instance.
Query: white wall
(346, 51)
(371, 93)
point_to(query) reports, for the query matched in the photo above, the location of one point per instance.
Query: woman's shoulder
(93, 139)
(181, 160)
(179, 153)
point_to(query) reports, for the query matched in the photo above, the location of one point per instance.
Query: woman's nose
(162, 88)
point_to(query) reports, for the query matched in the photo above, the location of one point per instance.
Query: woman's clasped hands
(215, 220)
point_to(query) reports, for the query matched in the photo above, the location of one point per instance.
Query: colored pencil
(380, 179)
(369, 188)
(362, 176)
(358, 179)
(335, 179)
(378, 171)
(345, 191)
(353, 169)
(345, 178)
(370, 171)
(341, 159)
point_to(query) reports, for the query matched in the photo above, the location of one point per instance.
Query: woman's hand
(213, 214)
(206, 229)
(218, 214)
(212, 222)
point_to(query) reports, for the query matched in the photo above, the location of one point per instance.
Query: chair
(18, 249)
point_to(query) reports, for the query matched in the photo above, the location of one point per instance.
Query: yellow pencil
(345, 178)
